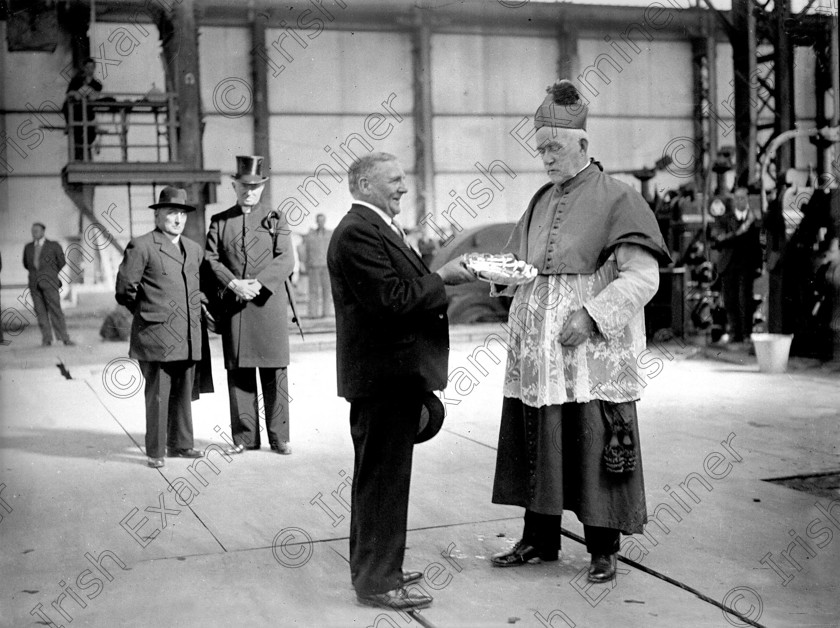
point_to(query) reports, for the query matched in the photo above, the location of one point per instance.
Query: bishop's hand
(579, 326)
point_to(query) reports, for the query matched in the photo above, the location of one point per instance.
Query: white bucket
(771, 351)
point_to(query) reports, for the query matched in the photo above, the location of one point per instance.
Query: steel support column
(259, 101)
(179, 34)
(423, 148)
(744, 62)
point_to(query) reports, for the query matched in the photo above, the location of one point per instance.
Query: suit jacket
(50, 264)
(738, 253)
(254, 333)
(161, 288)
(391, 324)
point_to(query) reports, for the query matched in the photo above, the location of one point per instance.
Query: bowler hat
(431, 418)
(173, 197)
(249, 169)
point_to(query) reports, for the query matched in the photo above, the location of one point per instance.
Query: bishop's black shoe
(522, 554)
(602, 567)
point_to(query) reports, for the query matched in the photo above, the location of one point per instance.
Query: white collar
(40, 241)
(385, 217)
(740, 214)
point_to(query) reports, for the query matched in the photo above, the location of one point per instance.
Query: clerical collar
(576, 177)
(388, 219)
(741, 214)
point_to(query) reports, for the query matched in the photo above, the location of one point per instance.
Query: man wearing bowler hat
(249, 249)
(392, 350)
(158, 283)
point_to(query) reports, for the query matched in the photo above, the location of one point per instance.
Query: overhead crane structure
(764, 35)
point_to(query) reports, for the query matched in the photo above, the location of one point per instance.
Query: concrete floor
(261, 539)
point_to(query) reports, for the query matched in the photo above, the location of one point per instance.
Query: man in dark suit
(738, 239)
(250, 252)
(158, 281)
(44, 259)
(392, 347)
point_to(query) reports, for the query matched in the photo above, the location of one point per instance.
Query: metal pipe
(829, 133)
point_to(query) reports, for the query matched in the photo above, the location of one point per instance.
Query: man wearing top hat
(158, 281)
(249, 249)
(568, 438)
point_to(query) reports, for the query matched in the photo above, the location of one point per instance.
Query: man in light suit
(44, 259)
(158, 281)
(392, 348)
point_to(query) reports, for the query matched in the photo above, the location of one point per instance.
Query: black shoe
(521, 554)
(398, 600)
(409, 577)
(69, 343)
(602, 567)
(46, 343)
(183, 453)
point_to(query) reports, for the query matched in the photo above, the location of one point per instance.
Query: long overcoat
(161, 288)
(256, 245)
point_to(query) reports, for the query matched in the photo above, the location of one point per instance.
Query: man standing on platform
(250, 252)
(314, 258)
(569, 439)
(392, 348)
(44, 259)
(158, 283)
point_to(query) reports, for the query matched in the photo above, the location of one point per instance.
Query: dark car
(471, 302)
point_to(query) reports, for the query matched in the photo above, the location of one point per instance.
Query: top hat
(249, 169)
(431, 418)
(175, 198)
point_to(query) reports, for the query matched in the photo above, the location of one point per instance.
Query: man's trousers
(320, 292)
(168, 405)
(383, 431)
(738, 301)
(47, 304)
(244, 405)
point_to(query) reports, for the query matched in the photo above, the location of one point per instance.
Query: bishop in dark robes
(569, 439)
